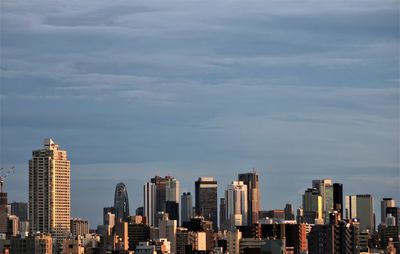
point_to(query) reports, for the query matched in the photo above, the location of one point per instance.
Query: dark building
(395, 212)
(20, 209)
(121, 202)
(161, 188)
(223, 223)
(140, 211)
(182, 239)
(289, 215)
(206, 199)
(3, 212)
(253, 195)
(198, 224)
(186, 206)
(222, 243)
(338, 198)
(276, 214)
(137, 233)
(321, 239)
(295, 235)
(389, 232)
(172, 208)
(250, 231)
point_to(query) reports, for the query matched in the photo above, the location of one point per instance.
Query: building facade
(121, 202)
(206, 189)
(49, 191)
(253, 195)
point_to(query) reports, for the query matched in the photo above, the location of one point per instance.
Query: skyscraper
(121, 202)
(253, 195)
(186, 206)
(325, 188)
(161, 192)
(49, 191)
(385, 203)
(20, 209)
(172, 190)
(206, 199)
(236, 204)
(149, 201)
(312, 205)
(361, 207)
(338, 198)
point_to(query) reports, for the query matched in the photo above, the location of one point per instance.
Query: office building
(385, 203)
(41, 243)
(233, 241)
(361, 207)
(167, 229)
(121, 202)
(107, 210)
(206, 191)
(338, 198)
(20, 209)
(172, 208)
(236, 204)
(160, 192)
(289, 215)
(49, 191)
(325, 189)
(182, 240)
(149, 197)
(137, 232)
(186, 206)
(312, 206)
(223, 221)
(172, 190)
(79, 227)
(253, 195)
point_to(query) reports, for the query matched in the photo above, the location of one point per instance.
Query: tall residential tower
(50, 191)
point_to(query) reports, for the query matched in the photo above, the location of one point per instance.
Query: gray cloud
(305, 89)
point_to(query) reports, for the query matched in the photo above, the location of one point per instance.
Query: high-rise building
(253, 195)
(236, 204)
(206, 189)
(289, 215)
(149, 201)
(107, 210)
(361, 207)
(338, 198)
(49, 191)
(325, 189)
(79, 227)
(385, 203)
(167, 229)
(121, 202)
(223, 222)
(312, 206)
(186, 206)
(161, 192)
(3, 211)
(20, 209)
(172, 190)
(233, 241)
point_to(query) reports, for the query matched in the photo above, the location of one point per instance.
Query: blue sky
(300, 90)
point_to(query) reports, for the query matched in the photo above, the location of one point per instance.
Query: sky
(298, 90)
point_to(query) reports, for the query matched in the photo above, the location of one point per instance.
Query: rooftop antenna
(3, 175)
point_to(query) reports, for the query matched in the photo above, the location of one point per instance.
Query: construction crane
(4, 172)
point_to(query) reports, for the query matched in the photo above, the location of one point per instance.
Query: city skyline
(133, 90)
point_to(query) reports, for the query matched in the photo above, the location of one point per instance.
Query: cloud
(306, 89)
